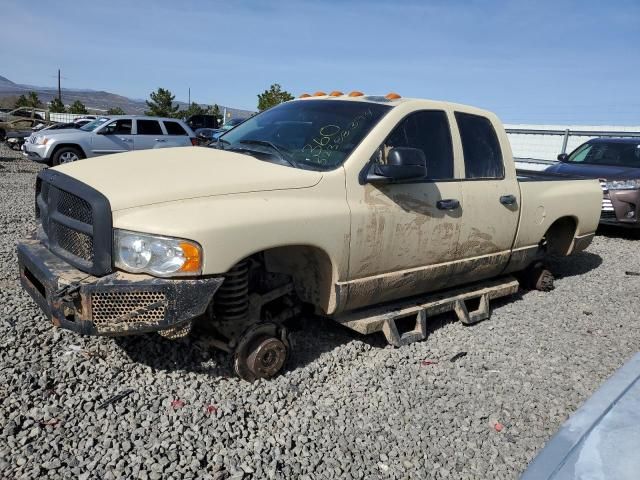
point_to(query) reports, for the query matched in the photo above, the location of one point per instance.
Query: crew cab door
(149, 134)
(490, 198)
(114, 137)
(404, 234)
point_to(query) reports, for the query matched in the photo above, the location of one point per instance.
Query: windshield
(623, 154)
(91, 126)
(313, 134)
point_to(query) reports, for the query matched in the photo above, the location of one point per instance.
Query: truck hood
(608, 172)
(163, 175)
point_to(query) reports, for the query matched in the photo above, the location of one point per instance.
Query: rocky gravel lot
(350, 407)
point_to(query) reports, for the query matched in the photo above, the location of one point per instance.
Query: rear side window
(428, 131)
(174, 128)
(482, 154)
(149, 127)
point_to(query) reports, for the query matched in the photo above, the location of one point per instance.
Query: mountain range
(94, 99)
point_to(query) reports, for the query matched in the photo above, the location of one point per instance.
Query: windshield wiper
(273, 146)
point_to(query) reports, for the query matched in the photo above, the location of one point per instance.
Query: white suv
(104, 135)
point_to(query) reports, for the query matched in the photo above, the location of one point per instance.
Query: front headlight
(40, 140)
(632, 184)
(161, 256)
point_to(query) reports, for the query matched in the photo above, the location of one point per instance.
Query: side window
(149, 127)
(482, 154)
(174, 128)
(118, 127)
(428, 131)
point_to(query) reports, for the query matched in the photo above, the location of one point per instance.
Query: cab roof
(392, 102)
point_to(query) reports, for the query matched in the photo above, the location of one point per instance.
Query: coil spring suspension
(232, 298)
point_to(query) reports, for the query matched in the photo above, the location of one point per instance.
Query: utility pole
(59, 89)
(189, 96)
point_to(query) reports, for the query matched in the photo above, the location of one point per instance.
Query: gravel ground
(350, 407)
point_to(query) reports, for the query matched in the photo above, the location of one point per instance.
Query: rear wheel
(3, 135)
(66, 155)
(536, 277)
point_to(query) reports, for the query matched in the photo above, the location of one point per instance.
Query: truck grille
(75, 207)
(78, 243)
(76, 221)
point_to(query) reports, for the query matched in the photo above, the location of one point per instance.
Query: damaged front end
(115, 304)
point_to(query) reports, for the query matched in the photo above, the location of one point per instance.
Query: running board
(384, 318)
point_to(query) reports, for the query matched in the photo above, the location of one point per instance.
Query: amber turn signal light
(193, 261)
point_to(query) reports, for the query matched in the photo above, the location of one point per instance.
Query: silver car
(104, 135)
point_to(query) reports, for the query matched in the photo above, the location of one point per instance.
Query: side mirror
(563, 157)
(403, 163)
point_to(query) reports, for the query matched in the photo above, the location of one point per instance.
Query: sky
(528, 61)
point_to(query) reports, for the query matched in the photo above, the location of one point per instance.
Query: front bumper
(116, 304)
(621, 208)
(37, 153)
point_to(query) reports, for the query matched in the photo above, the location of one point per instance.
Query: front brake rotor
(262, 352)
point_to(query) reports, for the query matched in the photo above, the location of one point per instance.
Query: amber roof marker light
(319, 94)
(304, 95)
(336, 93)
(392, 96)
(355, 93)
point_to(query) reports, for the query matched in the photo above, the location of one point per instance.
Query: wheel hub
(267, 358)
(261, 352)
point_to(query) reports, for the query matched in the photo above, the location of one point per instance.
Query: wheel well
(72, 145)
(560, 236)
(311, 270)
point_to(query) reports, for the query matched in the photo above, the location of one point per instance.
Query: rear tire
(66, 155)
(3, 135)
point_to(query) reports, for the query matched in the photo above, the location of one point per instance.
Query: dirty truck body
(342, 202)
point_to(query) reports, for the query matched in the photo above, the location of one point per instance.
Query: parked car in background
(105, 135)
(205, 135)
(77, 123)
(616, 162)
(208, 135)
(21, 125)
(202, 121)
(21, 112)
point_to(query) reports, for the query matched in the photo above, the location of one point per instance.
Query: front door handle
(125, 139)
(160, 140)
(508, 199)
(448, 204)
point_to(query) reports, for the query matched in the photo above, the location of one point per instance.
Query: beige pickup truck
(349, 203)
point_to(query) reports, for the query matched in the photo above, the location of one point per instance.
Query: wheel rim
(68, 157)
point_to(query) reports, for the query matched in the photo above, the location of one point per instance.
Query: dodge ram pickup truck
(347, 203)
